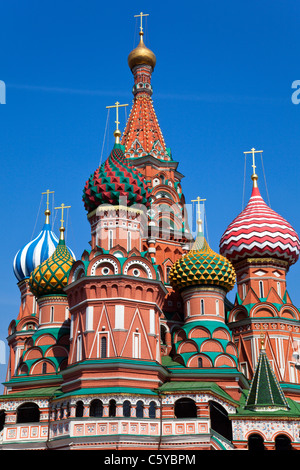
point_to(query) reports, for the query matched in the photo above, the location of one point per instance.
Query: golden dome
(141, 55)
(202, 266)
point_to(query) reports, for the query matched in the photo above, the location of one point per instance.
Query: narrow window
(44, 369)
(168, 274)
(79, 348)
(202, 306)
(217, 307)
(244, 290)
(188, 308)
(110, 239)
(128, 241)
(67, 313)
(103, 351)
(51, 314)
(261, 289)
(136, 345)
(279, 289)
(200, 362)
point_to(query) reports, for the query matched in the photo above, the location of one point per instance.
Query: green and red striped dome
(113, 180)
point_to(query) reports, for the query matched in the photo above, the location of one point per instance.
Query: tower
(262, 246)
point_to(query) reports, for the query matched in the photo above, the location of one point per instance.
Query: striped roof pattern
(113, 180)
(34, 253)
(258, 231)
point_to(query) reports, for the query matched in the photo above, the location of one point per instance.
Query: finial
(254, 176)
(262, 338)
(62, 228)
(47, 211)
(141, 25)
(117, 132)
(199, 220)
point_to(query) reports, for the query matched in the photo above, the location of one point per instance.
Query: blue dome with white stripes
(35, 252)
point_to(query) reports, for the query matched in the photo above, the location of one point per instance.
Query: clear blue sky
(222, 85)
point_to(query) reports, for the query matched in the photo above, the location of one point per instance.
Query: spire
(142, 135)
(265, 393)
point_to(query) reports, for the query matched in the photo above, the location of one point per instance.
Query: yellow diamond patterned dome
(202, 266)
(51, 276)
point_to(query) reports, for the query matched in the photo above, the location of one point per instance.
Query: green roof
(265, 391)
(194, 386)
(32, 393)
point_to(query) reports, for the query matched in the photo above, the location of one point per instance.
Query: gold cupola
(141, 54)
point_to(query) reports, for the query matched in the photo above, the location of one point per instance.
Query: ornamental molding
(104, 260)
(141, 263)
(268, 428)
(170, 399)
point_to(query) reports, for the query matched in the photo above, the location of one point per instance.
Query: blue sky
(222, 85)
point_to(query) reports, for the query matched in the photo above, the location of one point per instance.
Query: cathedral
(135, 346)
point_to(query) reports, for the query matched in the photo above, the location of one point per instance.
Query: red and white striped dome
(258, 231)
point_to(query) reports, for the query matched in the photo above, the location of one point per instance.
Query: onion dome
(35, 252)
(141, 55)
(201, 266)
(259, 232)
(50, 277)
(113, 180)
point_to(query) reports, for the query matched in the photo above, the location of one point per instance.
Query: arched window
(112, 408)
(51, 314)
(255, 442)
(163, 332)
(44, 368)
(152, 410)
(200, 362)
(219, 420)
(96, 408)
(202, 306)
(261, 289)
(140, 409)
(217, 307)
(185, 408)
(279, 289)
(128, 241)
(282, 442)
(126, 409)
(110, 239)
(103, 352)
(28, 413)
(79, 409)
(244, 290)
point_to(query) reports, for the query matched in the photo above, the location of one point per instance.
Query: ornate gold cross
(198, 200)
(117, 105)
(48, 192)
(141, 16)
(62, 207)
(253, 151)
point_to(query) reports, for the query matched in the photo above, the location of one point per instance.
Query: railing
(91, 426)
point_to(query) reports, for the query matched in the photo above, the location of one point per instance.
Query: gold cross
(141, 15)
(62, 207)
(198, 200)
(48, 192)
(253, 151)
(117, 105)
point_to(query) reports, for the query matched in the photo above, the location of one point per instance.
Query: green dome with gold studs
(202, 266)
(50, 277)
